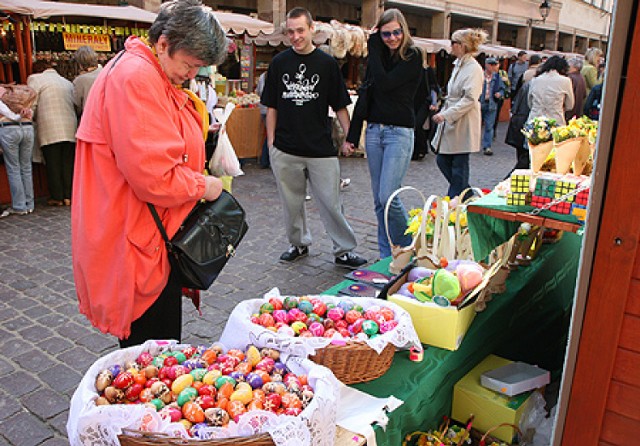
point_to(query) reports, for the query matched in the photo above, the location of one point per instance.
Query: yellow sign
(99, 42)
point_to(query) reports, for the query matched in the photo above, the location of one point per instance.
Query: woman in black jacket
(394, 71)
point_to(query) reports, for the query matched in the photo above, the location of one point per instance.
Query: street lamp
(545, 9)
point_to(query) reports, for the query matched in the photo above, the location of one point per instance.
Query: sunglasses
(395, 33)
(456, 41)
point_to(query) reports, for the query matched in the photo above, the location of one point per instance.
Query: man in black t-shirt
(302, 83)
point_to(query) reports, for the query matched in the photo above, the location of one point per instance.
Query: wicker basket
(355, 362)
(131, 437)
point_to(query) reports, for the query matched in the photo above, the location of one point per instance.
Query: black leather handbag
(206, 240)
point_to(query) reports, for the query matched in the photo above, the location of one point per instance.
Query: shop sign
(99, 42)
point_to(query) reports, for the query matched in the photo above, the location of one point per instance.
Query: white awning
(39, 9)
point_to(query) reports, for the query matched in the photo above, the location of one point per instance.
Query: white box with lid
(515, 378)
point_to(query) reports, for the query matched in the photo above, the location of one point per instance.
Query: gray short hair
(192, 27)
(86, 57)
(575, 62)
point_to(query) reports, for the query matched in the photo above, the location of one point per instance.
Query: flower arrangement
(538, 130)
(415, 219)
(573, 129)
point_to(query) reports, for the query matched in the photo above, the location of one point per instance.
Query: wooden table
(525, 217)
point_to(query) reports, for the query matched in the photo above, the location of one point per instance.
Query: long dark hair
(556, 63)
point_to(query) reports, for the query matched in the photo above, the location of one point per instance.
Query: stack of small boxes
(579, 205)
(544, 191)
(520, 193)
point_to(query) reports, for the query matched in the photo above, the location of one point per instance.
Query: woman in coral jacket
(141, 141)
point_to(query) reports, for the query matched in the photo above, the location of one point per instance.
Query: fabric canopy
(236, 23)
(41, 9)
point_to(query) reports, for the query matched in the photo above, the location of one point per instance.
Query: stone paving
(46, 345)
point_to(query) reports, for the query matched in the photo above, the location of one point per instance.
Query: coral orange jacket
(140, 141)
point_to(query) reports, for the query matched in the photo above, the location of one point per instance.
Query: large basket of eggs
(164, 393)
(355, 338)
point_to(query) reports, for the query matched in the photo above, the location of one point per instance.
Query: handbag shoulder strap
(156, 218)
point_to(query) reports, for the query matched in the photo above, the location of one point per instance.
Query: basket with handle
(131, 437)
(486, 437)
(401, 255)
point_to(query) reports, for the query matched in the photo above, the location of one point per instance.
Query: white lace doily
(240, 331)
(90, 425)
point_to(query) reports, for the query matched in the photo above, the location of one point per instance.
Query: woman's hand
(212, 187)
(438, 118)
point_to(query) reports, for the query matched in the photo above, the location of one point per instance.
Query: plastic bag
(535, 425)
(224, 160)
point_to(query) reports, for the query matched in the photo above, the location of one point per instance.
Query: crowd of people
(112, 164)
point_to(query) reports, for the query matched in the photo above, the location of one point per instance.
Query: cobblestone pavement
(46, 345)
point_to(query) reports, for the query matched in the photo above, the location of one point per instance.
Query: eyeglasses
(395, 33)
(456, 41)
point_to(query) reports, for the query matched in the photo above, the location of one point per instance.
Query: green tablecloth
(488, 232)
(529, 322)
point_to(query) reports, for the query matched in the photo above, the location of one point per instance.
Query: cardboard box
(515, 378)
(438, 326)
(442, 327)
(488, 407)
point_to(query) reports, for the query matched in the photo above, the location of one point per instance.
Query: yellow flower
(415, 212)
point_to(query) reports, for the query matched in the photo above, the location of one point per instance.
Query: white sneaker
(344, 182)
(10, 211)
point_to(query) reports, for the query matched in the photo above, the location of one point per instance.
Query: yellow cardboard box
(488, 407)
(438, 326)
(435, 325)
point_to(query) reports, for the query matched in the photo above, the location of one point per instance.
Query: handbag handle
(159, 224)
(388, 206)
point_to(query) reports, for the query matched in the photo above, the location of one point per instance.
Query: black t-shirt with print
(301, 87)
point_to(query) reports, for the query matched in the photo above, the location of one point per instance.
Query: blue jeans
(455, 169)
(17, 146)
(389, 150)
(489, 110)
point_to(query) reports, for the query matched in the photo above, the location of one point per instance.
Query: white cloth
(89, 424)
(358, 411)
(240, 331)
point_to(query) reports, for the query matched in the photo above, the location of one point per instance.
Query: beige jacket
(550, 95)
(460, 132)
(53, 111)
(81, 87)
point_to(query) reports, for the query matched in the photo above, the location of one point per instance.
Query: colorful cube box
(538, 201)
(582, 198)
(579, 211)
(564, 187)
(545, 186)
(518, 199)
(520, 181)
(563, 207)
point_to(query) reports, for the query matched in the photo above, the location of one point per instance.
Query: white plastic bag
(224, 160)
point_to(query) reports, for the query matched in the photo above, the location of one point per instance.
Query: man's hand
(347, 148)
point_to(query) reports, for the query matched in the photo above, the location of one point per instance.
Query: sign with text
(99, 42)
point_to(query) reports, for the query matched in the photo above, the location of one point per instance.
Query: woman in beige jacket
(459, 121)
